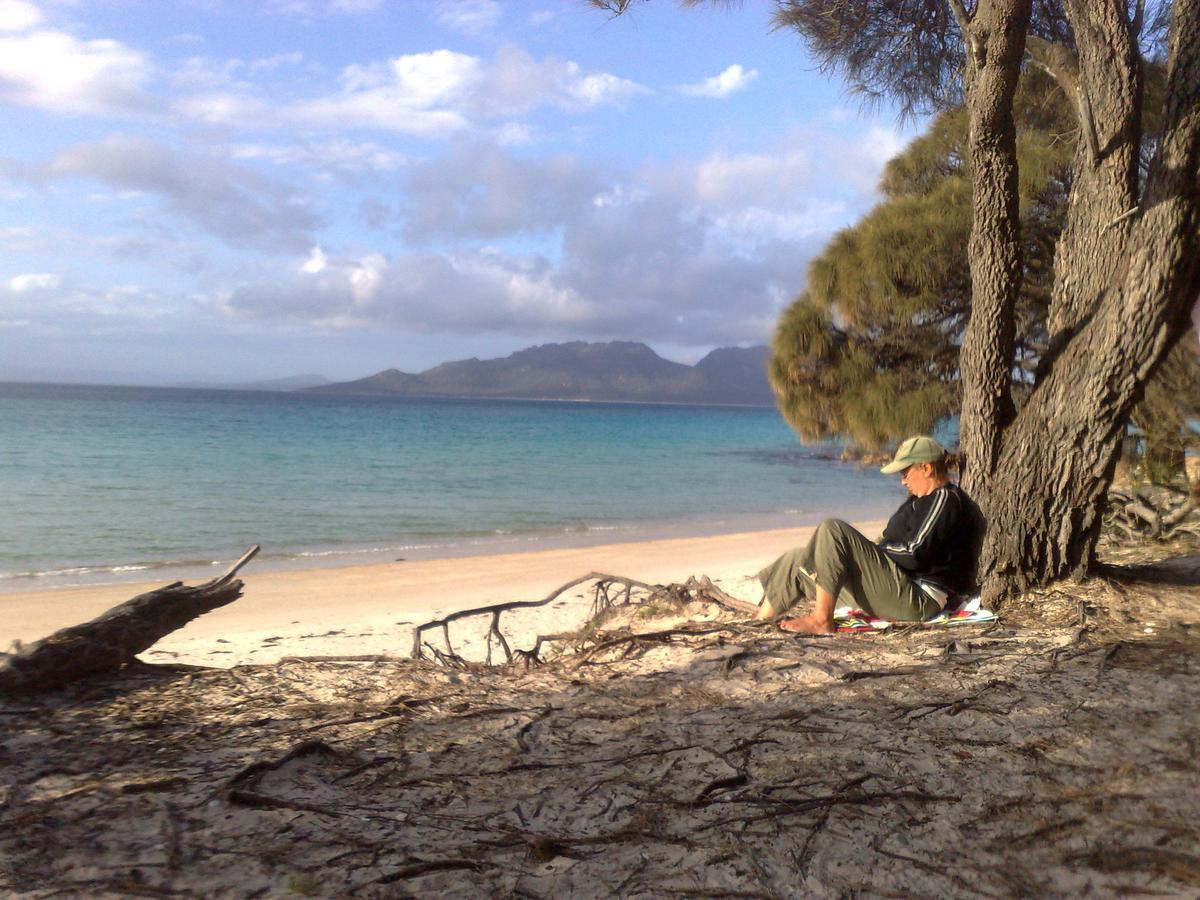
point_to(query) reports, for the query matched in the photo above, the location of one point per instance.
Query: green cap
(919, 449)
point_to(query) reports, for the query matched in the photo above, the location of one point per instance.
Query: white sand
(372, 609)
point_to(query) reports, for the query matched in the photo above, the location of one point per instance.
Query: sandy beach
(372, 609)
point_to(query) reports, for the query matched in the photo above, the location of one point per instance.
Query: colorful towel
(969, 613)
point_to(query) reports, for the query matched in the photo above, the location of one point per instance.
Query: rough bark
(1057, 460)
(110, 642)
(1107, 98)
(995, 43)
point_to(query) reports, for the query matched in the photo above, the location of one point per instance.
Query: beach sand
(372, 609)
(679, 749)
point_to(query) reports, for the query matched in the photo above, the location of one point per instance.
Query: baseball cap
(919, 449)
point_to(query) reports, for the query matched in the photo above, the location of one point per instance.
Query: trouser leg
(850, 567)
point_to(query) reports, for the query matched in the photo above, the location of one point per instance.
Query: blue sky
(220, 190)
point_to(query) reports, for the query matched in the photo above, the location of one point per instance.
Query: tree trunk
(995, 43)
(1107, 96)
(1057, 460)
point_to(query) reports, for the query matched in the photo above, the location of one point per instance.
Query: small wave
(76, 571)
(357, 551)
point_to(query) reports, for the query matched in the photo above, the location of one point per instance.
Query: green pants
(851, 568)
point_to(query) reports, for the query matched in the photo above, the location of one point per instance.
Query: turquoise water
(104, 483)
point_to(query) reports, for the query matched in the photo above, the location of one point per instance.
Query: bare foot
(809, 624)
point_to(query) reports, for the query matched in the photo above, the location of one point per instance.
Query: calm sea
(116, 483)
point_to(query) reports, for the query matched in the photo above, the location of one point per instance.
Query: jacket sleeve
(915, 552)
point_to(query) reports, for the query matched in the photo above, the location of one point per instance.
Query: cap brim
(894, 467)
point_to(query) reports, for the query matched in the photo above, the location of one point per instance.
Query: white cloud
(763, 179)
(435, 94)
(310, 8)
(464, 293)
(515, 82)
(16, 15)
(316, 262)
(341, 155)
(480, 190)
(34, 281)
(471, 17)
(54, 71)
(733, 79)
(861, 161)
(234, 203)
(420, 93)
(279, 60)
(698, 254)
(512, 134)
(599, 88)
(47, 304)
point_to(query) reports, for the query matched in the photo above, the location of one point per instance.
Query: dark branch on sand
(609, 591)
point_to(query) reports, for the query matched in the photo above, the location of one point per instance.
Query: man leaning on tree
(924, 563)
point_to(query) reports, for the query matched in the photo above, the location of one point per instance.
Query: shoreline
(372, 609)
(133, 572)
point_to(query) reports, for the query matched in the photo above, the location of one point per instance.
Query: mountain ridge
(616, 371)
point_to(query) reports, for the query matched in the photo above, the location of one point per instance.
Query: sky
(226, 191)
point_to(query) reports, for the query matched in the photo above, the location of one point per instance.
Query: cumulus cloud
(55, 71)
(471, 17)
(692, 255)
(516, 82)
(312, 8)
(333, 155)
(49, 304)
(420, 93)
(463, 292)
(434, 94)
(480, 190)
(16, 15)
(34, 281)
(761, 179)
(730, 81)
(859, 161)
(637, 264)
(235, 203)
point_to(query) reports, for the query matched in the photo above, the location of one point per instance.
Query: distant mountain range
(615, 371)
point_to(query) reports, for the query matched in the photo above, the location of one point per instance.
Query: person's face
(919, 479)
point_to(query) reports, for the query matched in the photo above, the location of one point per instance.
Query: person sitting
(925, 560)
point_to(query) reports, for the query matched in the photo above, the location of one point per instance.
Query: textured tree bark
(1107, 97)
(1057, 459)
(110, 642)
(995, 43)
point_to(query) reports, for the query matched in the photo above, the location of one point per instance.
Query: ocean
(104, 484)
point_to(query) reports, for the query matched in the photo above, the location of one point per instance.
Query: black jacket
(937, 538)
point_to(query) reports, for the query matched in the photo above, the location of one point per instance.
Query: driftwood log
(110, 642)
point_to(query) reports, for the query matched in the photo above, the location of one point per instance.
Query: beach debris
(112, 640)
(609, 591)
(1153, 512)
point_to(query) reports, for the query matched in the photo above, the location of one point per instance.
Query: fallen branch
(694, 590)
(496, 609)
(112, 640)
(649, 637)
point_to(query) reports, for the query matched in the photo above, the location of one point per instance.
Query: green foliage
(869, 351)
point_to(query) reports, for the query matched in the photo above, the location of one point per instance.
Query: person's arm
(935, 517)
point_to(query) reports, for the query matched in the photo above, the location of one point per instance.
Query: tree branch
(112, 640)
